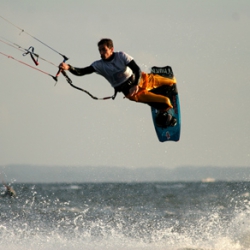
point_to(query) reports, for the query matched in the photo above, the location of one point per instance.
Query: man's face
(105, 52)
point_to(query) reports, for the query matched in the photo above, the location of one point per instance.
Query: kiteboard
(172, 131)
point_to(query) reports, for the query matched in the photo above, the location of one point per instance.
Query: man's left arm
(137, 73)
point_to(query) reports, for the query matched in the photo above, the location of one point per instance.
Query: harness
(124, 87)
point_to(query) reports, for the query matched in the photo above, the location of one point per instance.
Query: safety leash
(85, 91)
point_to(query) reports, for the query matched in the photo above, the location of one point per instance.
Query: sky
(207, 44)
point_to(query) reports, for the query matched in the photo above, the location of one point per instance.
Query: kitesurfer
(124, 75)
(9, 191)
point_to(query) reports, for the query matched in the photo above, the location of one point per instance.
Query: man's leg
(145, 96)
(156, 81)
(149, 82)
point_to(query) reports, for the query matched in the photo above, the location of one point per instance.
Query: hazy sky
(207, 43)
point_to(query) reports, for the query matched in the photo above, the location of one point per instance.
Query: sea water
(176, 216)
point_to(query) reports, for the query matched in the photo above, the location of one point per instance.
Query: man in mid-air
(125, 76)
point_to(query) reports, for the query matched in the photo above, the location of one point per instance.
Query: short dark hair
(106, 41)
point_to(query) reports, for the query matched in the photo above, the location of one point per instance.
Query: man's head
(106, 48)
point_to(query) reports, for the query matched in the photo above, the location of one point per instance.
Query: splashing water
(176, 216)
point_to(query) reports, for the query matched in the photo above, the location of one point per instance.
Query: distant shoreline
(56, 174)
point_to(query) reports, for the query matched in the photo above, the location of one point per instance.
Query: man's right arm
(77, 71)
(81, 71)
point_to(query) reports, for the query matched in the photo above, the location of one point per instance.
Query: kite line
(34, 56)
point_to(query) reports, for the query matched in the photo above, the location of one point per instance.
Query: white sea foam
(127, 216)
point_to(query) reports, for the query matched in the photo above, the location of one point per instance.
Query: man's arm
(137, 73)
(77, 71)
(136, 70)
(81, 71)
